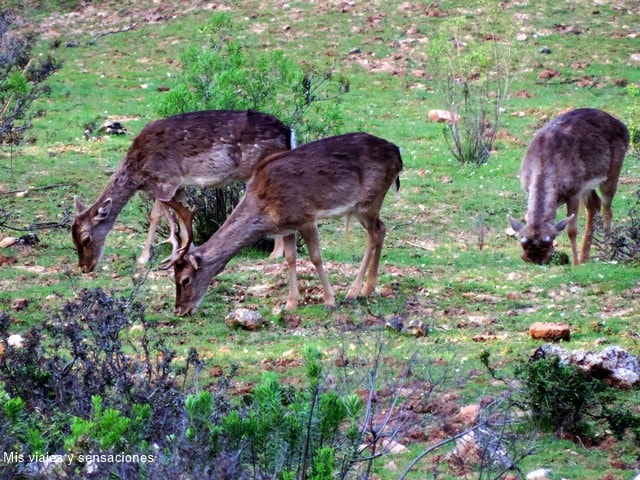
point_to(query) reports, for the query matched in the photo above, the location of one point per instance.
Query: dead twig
(27, 190)
(95, 38)
(4, 218)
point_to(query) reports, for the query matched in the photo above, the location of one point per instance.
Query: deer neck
(245, 226)
(120, 189)
(542, 201)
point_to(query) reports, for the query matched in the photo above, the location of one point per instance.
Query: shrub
(22, 78)
(221, 73)
(622, 243)
(472, 65)
(557, 395)
(633, 118)
(564, 399)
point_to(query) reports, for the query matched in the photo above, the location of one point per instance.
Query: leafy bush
(558, 395)
(82, 385)
(633, 118)
(564, 399)
(220, 73)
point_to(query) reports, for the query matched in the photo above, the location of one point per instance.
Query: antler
(185, 220)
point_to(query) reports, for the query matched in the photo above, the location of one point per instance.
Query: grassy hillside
(447, 260)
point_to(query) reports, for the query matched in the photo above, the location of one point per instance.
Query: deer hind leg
(376, 231)
(310, 235)
(592, 202)
(289, 247)
(278, 248)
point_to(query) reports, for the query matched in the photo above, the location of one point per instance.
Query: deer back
(326, 178)
(203, 148)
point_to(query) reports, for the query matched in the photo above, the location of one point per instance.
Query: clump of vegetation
(622, 243)
(565, 400)
(471, 59)
(22, 78)
(221, 73)
(85, 387)
(633, 118)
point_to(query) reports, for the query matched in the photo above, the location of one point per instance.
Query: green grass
(433, 267)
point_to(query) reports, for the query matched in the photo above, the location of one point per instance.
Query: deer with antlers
(208, 148)
(564, 163)
(289, 192)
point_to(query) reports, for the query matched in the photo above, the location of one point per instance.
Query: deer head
(537, 242)
(89, 230)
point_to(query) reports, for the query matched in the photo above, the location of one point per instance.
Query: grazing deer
(209, 148)
(566, 160)
(290, 191)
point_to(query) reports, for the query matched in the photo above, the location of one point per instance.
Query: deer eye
(86, 241)
(185, 282)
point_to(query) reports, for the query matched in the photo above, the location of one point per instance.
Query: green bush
(564, 399)
(633, 118)
(80, 385)
(220, 73)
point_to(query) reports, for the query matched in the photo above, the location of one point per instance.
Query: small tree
(472, 64)
(21, 78)
(220, 73)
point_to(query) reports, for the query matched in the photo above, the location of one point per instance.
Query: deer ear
(78, 204)
(193, 260)
(563, 224)
(103, 210)
(515, 224)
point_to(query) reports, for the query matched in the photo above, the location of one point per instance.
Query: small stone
(442, 116)
(8, 241)
(16, 340)
(550, 331)
(416, 327)
(245, 318)
(539, 474)
(469, 414)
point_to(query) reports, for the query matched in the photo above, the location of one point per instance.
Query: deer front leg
(572, 228)
(310, 236)
(289, 248)
(154, 219)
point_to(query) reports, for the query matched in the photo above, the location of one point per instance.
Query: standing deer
(566, 160)
(209, 148)
(290, 191)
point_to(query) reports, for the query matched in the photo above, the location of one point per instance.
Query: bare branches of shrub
(473, 66)
(22, 78)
